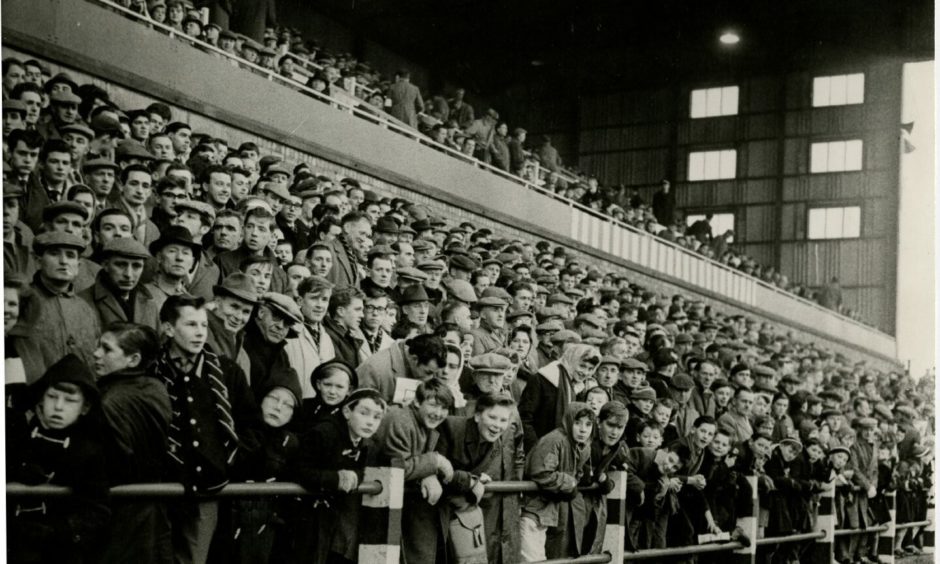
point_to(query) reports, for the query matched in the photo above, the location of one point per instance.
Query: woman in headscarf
(556, 384)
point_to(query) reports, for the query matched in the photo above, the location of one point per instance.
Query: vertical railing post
(747, 522)
(928, 534)
(380, 517)
(886, 538)
(823, 550)
(615, 531)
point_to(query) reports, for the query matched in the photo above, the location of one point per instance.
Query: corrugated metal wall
(637, 138)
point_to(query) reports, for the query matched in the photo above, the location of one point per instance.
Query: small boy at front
(57, 443)
(556, 464)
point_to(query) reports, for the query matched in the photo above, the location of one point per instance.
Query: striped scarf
(207, 366)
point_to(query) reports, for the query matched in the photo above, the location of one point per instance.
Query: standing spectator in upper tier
(664, 204)
(548, 155)
(406, 99)
(517, 151)
(831, 295)
(460, 110)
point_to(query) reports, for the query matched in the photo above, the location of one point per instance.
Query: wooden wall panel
(759, 224)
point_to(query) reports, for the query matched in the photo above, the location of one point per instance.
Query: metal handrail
(791, 538)
(911, 524)
(170, 490)
(681, 551)
(586, 559)
(865, 531)
(420, 138)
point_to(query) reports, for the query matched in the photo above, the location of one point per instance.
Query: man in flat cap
(265, 338)
(67, 323)
(63, 111)
(491, 334)
(71, 217)
(234, 300)
(117, 294)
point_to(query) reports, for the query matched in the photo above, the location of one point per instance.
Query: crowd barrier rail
(383, 490)
(660, 255)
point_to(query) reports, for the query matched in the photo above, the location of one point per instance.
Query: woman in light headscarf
(547, 395)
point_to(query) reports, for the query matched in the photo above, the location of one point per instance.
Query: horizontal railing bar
(681, 551)
(587, 559)
(791, 538)
(163, 490)
(911, 524)
(852, 532)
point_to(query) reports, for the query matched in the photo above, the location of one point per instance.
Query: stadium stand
(383, 306)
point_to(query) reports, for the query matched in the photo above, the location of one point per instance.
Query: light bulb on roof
(729, 38)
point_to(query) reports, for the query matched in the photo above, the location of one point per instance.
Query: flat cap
(838, 449)
(14, 106)
(866, 422)
(491, 301)
(53, 239)
(411, 273)
(421, 245)
(79, 128)
(633, 364)
(125, 247)
(463, 262)
(65, 97)
(95, 164)
(590, 319)
(460, 290)
(643, 393)
(665, 357)
(517, 313)
(549, 326)
(238, 285)
(53, 211)
(433, 264)
(763, 370)
(132, 149)
(683, 339)
(681, 382)
(565, 336)
(720, 383)
(610, 359)
(490, 363)
(559, 298)
(906, 411)
(284, 305)
(199, 207)
(277, 189)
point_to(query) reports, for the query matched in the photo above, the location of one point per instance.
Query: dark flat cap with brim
(460, 290)
(633, 364)
(411, 273)
(95, 164)
(566, 336)
(125, 247)
(491, 301)
(490, 363)
(238, 285)
(644, 393)
(549, 326)
(79, 128)
(283, 305)
(55, 239)
(53, 211)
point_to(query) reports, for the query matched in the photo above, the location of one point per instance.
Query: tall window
(836, 156)
(835, 223)
(720, 223)
(838, 90)
(712, 165)
(711, 102)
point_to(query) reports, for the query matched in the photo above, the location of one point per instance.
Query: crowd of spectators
(454, 123)
(182, 308)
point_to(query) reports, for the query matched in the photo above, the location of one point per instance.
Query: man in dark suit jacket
(117, 294)
(406, 99)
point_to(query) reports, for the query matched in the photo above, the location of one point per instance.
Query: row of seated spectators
(178, 309)
(453, 122)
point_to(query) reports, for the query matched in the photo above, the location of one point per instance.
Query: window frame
(811, 207)
(828, 143)
(721, 97)
(704, 153)
(847, 77)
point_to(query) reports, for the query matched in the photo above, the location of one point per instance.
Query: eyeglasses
(375, 309)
